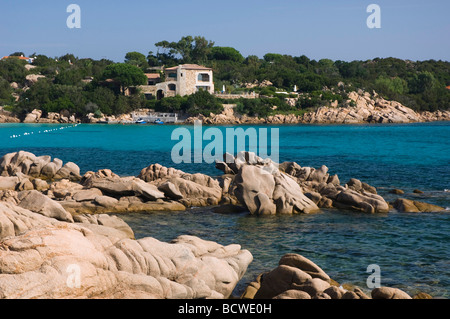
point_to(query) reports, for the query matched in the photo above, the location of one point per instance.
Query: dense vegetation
(84, 86)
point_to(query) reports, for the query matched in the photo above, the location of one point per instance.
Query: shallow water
(411, 249)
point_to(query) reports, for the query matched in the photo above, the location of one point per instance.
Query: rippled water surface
(411, 249)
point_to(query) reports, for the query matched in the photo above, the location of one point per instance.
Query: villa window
(203, 77)
(172, 76)
(172, 87)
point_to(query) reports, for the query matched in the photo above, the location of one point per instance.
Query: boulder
(104, 224)
(24, 185)
(252, 181)
(293, 294)
(335, 292)
(146, 190)
(8, 182)
(157, 172)
(66, 260)
(15, 220)
(279, 280)
(189, 189)
(70, 171)
(126, 204)
(114, 186)
(396, 191)
(266, 190)
(40, 185)
(170, 191)
(106, 201)
(37, 166)
(313, 286)
(306, 265)
(297, 189)
(41, 204)
(411, 206)
(389, 293)
(9, 196)
(362, 201)
(35, 115)
(87, 194)
(289, 198)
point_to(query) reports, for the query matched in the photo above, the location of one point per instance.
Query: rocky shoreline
(53, 219)
(360, 108)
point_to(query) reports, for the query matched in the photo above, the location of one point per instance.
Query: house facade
(185, 79)
(29, 60)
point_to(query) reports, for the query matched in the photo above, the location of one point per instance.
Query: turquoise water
(411, 249)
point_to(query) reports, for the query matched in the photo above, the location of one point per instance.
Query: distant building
(185, 79)
(29, 60)
(153, 78)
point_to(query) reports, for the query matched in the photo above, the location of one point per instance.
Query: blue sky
(415, 30)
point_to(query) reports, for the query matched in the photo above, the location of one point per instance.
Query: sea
(411, 250)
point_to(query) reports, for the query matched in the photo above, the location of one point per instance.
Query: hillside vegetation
(84, 85)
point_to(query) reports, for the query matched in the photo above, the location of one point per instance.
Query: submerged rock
(413, 206)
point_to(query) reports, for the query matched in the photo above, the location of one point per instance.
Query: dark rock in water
(396, 191)
(417, 191)
(422, 295)
(229, 209)
(389, 293)
(410, 206)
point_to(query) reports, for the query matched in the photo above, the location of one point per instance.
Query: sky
(332, 29)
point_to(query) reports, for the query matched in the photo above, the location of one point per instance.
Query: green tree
(13, 70)
(125, 75)
(17, 54)
(152, 59)
(58, 105)
(202, 102)
(136, 59)
(226, 54)
(422, 82)
(201, 49)
(103, 97)
(166, 53)
(5, 91)
(189, 50)
(71, 76)
(392, 87)
(273, 57)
